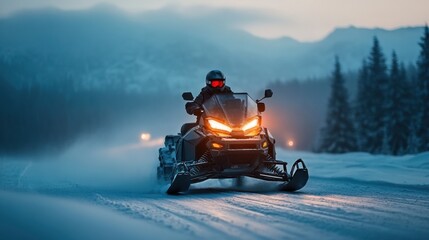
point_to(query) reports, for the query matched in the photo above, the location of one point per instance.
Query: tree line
(38, 118)
(390, 113)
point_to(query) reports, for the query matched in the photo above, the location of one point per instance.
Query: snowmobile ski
(180, 183)
(298, 178)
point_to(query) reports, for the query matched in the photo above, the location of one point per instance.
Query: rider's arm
(191, 107)
(195, 106)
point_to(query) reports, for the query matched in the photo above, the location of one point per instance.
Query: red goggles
(217, 83)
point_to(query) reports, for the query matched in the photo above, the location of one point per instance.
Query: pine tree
(423, 92)
(411, 108)
(397, 131)
(338, 135)
(361, 109)
(377, 99)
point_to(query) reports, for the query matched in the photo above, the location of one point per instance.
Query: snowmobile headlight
(218, 126)
(250, 124)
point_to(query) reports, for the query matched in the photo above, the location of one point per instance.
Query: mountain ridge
(177, 50)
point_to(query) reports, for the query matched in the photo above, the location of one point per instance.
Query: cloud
(210, 17)
(303, 20)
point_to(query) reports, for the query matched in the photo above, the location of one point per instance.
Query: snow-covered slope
(405, 170)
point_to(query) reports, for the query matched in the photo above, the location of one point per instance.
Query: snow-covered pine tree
(423, 92)
(361, 109)
(338, 135)
(397, 132)
(378, 101)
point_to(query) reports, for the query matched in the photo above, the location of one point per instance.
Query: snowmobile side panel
(187, 149)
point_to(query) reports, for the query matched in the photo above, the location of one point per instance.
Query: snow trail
(329, 208)
(348, 196)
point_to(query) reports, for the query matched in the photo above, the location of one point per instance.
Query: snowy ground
(90, 192)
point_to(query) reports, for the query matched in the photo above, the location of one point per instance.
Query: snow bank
(407, 170)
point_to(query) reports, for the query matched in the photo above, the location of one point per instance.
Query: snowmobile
(227, 141)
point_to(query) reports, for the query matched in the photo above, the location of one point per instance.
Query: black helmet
(215, 80)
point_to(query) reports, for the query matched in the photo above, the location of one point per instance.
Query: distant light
(290, 143)
(145, 136)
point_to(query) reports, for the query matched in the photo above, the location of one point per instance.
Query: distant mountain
(162, 49)
(353, 44)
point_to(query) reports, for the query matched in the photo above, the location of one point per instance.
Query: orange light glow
(219, 126)
(265, 144)
(290, 143)
(145, 136)
(251, 124)
(217, 145)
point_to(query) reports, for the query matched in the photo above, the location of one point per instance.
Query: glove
(197, 111)
(192, 108)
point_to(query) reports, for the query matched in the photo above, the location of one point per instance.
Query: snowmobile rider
(215, 83)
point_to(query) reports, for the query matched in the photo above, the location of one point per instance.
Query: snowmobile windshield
(234, 108)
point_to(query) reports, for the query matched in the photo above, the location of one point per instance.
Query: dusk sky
(305, 20)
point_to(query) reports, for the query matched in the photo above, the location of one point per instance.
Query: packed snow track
(350, 196)
(330, 208)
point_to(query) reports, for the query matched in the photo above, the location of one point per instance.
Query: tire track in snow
(145, 210)
(213, 216)
(328, 208)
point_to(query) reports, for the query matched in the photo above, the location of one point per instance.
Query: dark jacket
(205, 94)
